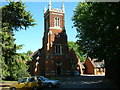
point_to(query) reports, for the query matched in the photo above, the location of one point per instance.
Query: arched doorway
(58, 70)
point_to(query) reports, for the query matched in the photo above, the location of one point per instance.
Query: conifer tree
(14, 18)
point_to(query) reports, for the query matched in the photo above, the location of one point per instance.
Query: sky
(32, 37)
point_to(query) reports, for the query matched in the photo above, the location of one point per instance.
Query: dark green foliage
(14, 18)
(98, 27)
(76, 47)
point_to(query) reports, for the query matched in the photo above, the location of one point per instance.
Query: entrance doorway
(58, 70)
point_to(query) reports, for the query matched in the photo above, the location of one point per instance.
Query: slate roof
(98, 64)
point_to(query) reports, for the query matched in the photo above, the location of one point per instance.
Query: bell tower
(55, 41)
(54, 17)
(54, 58)
(53, 24)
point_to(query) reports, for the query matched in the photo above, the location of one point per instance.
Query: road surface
(83, 82)
(86, 81)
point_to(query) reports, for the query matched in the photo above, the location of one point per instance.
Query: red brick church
(54, 58)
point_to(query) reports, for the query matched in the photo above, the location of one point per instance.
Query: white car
(49, 83)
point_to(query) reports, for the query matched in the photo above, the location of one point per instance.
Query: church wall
(51, 63)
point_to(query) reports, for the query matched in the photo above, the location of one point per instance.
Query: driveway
(86, 81)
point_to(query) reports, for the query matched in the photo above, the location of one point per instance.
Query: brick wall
(49, 62)
(89, 66)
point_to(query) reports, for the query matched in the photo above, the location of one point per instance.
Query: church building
(54, 58)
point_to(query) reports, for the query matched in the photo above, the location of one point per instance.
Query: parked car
(27, 83)
(49, 83)
(34, 83)
(75, 73)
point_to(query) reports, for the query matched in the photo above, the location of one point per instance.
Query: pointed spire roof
(50, 5)
(63, 7)
(45, 9)
(62, 10)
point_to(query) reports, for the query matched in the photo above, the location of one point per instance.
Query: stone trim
(57, 28)
(57, 14)
(45, 16)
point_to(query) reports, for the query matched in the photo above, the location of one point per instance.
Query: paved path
(86, 82)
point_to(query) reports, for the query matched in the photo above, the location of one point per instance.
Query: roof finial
(63, 7)
(45, 9)
(50, 5)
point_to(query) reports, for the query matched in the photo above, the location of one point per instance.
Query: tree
(75, 46)
(98, 32)
(14, 18)
(29, 53)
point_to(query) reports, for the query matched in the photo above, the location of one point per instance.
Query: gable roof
(96, 63)
(36, 53)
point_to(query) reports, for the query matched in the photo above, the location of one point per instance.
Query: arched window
(56, 21)
(58, 49)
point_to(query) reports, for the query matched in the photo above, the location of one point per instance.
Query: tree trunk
(108, 70)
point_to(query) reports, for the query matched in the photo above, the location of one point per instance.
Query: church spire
(50, 5)
(63, 7)
(45, 9)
